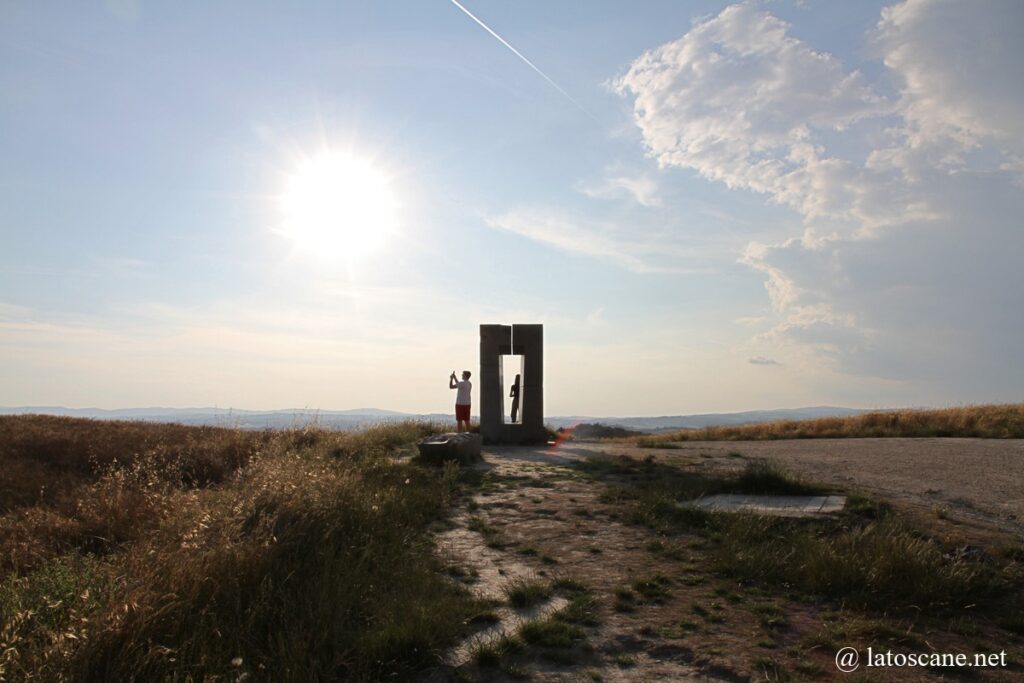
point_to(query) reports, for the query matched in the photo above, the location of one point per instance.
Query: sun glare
(337, 206)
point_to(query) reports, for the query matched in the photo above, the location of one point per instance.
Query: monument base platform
(517, 434)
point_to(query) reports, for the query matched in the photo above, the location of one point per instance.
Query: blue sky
(741, 206)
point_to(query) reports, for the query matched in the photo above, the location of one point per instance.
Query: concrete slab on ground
(776, 506)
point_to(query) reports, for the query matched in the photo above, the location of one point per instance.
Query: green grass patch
(551, 632)
(653, 589)
(882, 564)
(625, 661)
(625, 600)
(762, 477)
(567, 583)
(582, 609)
(493, 653)
(770, 669)
(523, 593)
(770, 616)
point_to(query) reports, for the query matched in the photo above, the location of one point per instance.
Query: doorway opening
(512, 388)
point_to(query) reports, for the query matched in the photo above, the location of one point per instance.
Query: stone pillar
(492, 339)
(528, 340)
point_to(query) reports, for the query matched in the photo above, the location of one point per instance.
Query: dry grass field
(985, 422)
(135, 551)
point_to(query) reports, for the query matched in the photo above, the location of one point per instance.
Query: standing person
(514, 395)
(463, 399)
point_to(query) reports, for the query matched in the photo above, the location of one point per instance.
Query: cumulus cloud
(958, 66)
(742, 102)
(903, 268)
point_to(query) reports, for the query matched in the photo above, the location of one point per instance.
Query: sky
(710, 206)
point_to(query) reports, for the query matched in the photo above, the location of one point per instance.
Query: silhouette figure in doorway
(514, 395)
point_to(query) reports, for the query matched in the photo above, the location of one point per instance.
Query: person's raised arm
(452, 382)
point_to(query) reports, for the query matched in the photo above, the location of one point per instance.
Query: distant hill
(362, 417)
(240, 419)
(675, 422)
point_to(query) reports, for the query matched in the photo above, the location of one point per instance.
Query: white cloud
(761, 360)
(640, 188)
(902, 268)
(635, 252)
(742, 102)
(959, 69)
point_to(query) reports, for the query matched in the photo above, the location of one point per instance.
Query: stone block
(462, 448)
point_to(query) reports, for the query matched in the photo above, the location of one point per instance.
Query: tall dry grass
(297, 555)
(47, 457)
(986, 422)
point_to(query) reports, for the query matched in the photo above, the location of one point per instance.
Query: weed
(771, 669)
(551, 632)
(625, 600)
(652, 590)
(771, 616)
(867, 508)
(493, 653)
(523, 593)
(624, 660)
(582, 609)
(569, 584)
(766, 478)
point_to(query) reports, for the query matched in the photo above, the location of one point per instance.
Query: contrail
(523, 57)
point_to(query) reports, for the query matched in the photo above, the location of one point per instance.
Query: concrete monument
(527, 390)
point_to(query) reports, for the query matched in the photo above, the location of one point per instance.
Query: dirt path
(542, 519)
(551, 525)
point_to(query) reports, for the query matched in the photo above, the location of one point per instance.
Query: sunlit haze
(710, 207)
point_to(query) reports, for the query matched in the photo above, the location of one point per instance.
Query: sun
(338, 206)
